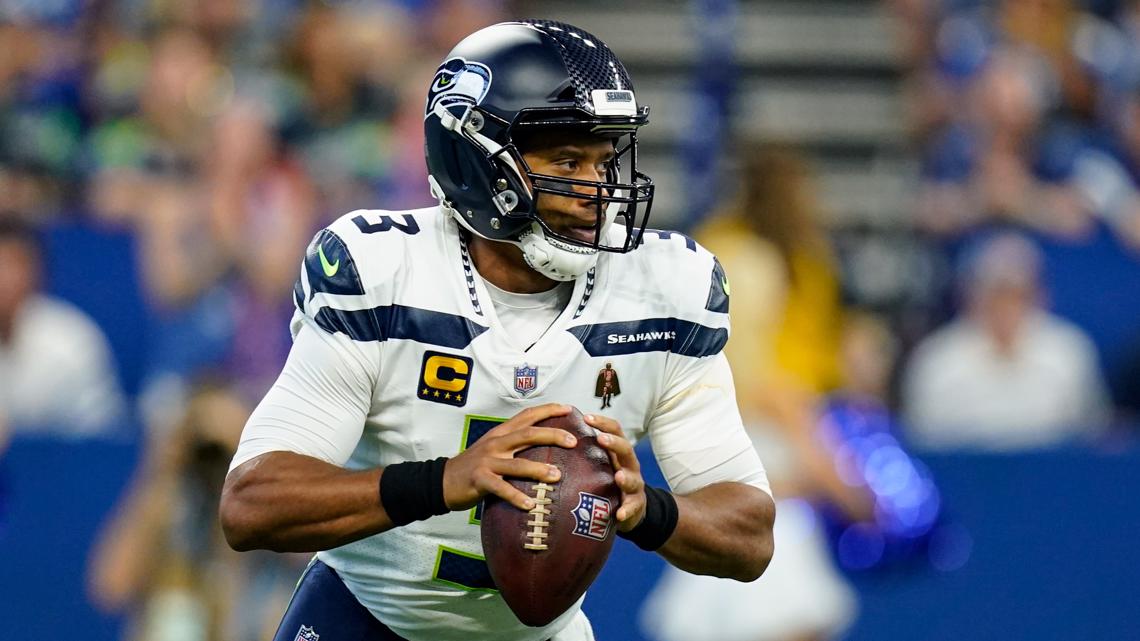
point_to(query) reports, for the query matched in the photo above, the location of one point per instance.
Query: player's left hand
(627, 470)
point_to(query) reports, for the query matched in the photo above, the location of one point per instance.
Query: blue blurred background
(930, 210)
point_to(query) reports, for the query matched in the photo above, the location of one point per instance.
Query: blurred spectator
(786, 311)
(1047, 28)
(146, 169)
(162, 559)
(773, 237)
(785, 315)
(56, 366)
(1006, 374)
(263, 209)
(1001, 161)
(41, 126)
(341, 128)
(867, 356)
(1108, 174)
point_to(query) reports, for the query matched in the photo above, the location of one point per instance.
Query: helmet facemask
(519, 189)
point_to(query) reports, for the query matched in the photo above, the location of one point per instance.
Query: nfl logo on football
(592, 516)
(306, 633)
(526, 379)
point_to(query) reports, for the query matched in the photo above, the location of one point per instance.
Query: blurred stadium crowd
(205, 142)
(1025, 117)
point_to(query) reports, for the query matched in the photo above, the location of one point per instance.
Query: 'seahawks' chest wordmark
(676, 335)
(613, 339)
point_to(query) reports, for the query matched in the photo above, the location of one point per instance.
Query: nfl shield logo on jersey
(526, 379)
(592, 516)
(306, 634)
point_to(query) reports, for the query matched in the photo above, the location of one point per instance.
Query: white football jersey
(398, 356)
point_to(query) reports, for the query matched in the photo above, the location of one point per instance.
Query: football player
(428, 344)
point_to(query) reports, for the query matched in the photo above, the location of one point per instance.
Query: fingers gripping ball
(543, 560)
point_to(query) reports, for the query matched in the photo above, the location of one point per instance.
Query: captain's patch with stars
(445, 378)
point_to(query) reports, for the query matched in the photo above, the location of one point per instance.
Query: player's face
(576, 156)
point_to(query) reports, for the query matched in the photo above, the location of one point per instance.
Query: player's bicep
(697, 434)
(319, 403)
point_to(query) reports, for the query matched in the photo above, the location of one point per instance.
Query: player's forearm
(288, 502)
(723, 530)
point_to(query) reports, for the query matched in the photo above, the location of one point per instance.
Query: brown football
(542, 561)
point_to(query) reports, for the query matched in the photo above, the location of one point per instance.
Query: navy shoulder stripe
(299, 295)
(400, 322)
(330, 267)
(718, 291)
(651, 335)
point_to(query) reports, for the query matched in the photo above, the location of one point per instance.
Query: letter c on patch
(446, 373)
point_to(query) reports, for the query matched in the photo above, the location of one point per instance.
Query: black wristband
(413, 491)
(659, 522)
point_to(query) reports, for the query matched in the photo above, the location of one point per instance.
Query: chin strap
(553, 258)
(559, 260)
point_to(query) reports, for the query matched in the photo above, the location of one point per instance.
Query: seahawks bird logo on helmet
(458, 84)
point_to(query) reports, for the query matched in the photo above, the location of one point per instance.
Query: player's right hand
(479, 470)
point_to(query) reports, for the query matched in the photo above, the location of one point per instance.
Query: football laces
(538, 522)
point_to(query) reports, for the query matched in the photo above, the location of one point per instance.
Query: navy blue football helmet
(509, 81)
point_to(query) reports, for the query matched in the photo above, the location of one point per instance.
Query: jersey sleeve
(319, 404)
(696, 430)
(697, 434)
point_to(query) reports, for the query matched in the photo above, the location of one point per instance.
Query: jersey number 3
(409, 226)
(455, 567)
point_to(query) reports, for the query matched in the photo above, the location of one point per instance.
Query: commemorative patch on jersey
(607, 385)
(592, 516)
(445, 378)
(526, 379)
